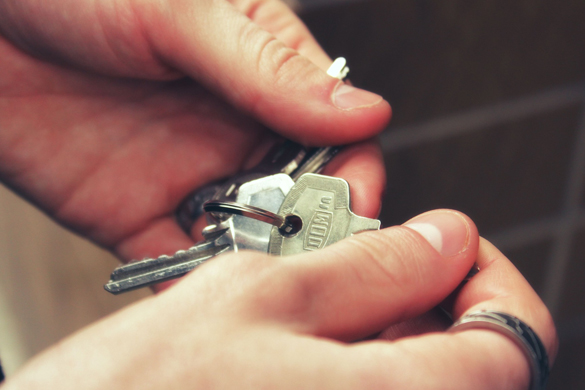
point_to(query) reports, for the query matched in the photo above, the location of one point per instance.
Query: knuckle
(250, 8)
(275, 62)
(280, 62)
(275, 16)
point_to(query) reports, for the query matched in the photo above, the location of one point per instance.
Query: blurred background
(489, 119)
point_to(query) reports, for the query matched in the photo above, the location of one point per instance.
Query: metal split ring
(519, 332)
(282, 223)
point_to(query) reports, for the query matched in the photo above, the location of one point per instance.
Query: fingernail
(347, 97)
(447, 231)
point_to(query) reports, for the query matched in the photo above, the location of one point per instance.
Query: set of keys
(281, 207)
(272, 214)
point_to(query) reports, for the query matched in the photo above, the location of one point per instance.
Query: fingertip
(358, 114)
(449, 232)
(348, 97)
(318, 110)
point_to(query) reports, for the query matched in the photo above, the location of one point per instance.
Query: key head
(284, 157)
(268, 193)
(244, 232)
(320, 209)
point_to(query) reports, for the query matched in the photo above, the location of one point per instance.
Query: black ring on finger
(519, 332)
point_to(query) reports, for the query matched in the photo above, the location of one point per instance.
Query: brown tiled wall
(501, 175)
(489, 118)
(430, 58)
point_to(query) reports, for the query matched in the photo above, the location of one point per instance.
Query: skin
(254, 321)
(109, 141)
(110, 114)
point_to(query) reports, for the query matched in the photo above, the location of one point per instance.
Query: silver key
(317, 207)
(228, 233)
(268, 193)
(320, 208)
(151, 271)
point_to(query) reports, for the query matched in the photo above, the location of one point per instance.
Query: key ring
(282, 223)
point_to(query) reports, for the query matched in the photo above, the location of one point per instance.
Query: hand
(250, 321)
(111, 112)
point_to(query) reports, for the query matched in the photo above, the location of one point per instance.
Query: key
(151, 271)
(268, 193)
(232, 232)
(320, 209)
(315, 209)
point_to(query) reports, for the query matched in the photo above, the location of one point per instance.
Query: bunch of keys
(281, 207)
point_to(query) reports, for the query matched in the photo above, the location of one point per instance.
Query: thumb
(365, 283)
(256, 54)
(215, 43)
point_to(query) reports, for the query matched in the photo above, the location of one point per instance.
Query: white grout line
(402, 137)
(574, 192)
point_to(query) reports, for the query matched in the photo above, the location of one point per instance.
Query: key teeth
(135, 275)
(113, 288)
(136, 267)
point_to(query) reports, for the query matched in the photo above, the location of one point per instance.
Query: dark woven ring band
(517, 331)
